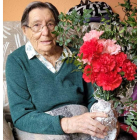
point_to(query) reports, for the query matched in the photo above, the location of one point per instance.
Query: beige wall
(13, 9)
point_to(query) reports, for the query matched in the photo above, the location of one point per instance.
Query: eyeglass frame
(41, 27)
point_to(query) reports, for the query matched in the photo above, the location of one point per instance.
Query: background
(13, 9)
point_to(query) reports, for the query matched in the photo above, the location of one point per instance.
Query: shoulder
(19, 51)
(18, 55)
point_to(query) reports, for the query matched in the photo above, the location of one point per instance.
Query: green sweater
(33, 90)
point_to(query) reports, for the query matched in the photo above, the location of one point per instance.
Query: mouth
(46, 42)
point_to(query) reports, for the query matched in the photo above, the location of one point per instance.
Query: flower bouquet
(106, 67)
(105, 64)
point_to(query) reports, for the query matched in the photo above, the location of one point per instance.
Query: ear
(24, 29)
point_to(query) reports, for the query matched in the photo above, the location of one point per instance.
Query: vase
(110, 121)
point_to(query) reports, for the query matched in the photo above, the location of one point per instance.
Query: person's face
(43, 41)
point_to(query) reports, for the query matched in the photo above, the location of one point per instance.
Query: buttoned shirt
(31, 52)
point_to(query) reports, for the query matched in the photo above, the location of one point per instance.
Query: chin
(45, 48)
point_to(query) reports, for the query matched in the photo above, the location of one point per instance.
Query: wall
(13, 9)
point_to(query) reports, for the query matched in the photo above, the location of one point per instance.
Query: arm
(24, 114)
(89, 99)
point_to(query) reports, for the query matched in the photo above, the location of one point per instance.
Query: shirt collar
(30, 51)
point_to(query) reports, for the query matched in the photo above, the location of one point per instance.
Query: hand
(85, 123)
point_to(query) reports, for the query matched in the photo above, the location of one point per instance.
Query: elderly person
(38, 81)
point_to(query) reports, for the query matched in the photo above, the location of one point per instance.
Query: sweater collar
(30, 51)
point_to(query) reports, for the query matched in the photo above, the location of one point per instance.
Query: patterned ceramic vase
(110, 121)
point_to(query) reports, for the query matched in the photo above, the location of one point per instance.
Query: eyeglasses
(39, 27)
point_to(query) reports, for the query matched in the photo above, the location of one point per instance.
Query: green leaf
(61, 43)
(81, 56)
(116, 104)
(131, 117)
(130, 99)
(63, 54)
(55, 32)
(135, 101)
(128, 128)
(134, 128)
(88, 69)
(133, 112)
(128, 119)
(123, 23)
(79, 67)
(56, 28)
(76, 63)
(68, 40)
(134, 31)
(78, 29)
(112, 27)
(67, 61)
(122, 30)
(121, 111)
(122, 73)
(135, 122)
(61, 38)
(127, 122)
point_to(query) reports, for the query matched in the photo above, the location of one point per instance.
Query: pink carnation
(84, 61)
(110, 47)
(92, 34)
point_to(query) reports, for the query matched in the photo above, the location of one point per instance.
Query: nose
(45, 30)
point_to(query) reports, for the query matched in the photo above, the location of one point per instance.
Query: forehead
(40, 14)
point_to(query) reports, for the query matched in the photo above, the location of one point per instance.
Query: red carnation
(96, 65)
(120, 58)
(129, 70)
(91, 49)
(89, 75)
(109, 81)
(107, 62)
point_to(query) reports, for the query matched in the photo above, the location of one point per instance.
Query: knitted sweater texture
(33, 90)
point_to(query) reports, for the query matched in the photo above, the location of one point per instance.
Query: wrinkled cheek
(34, 39)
